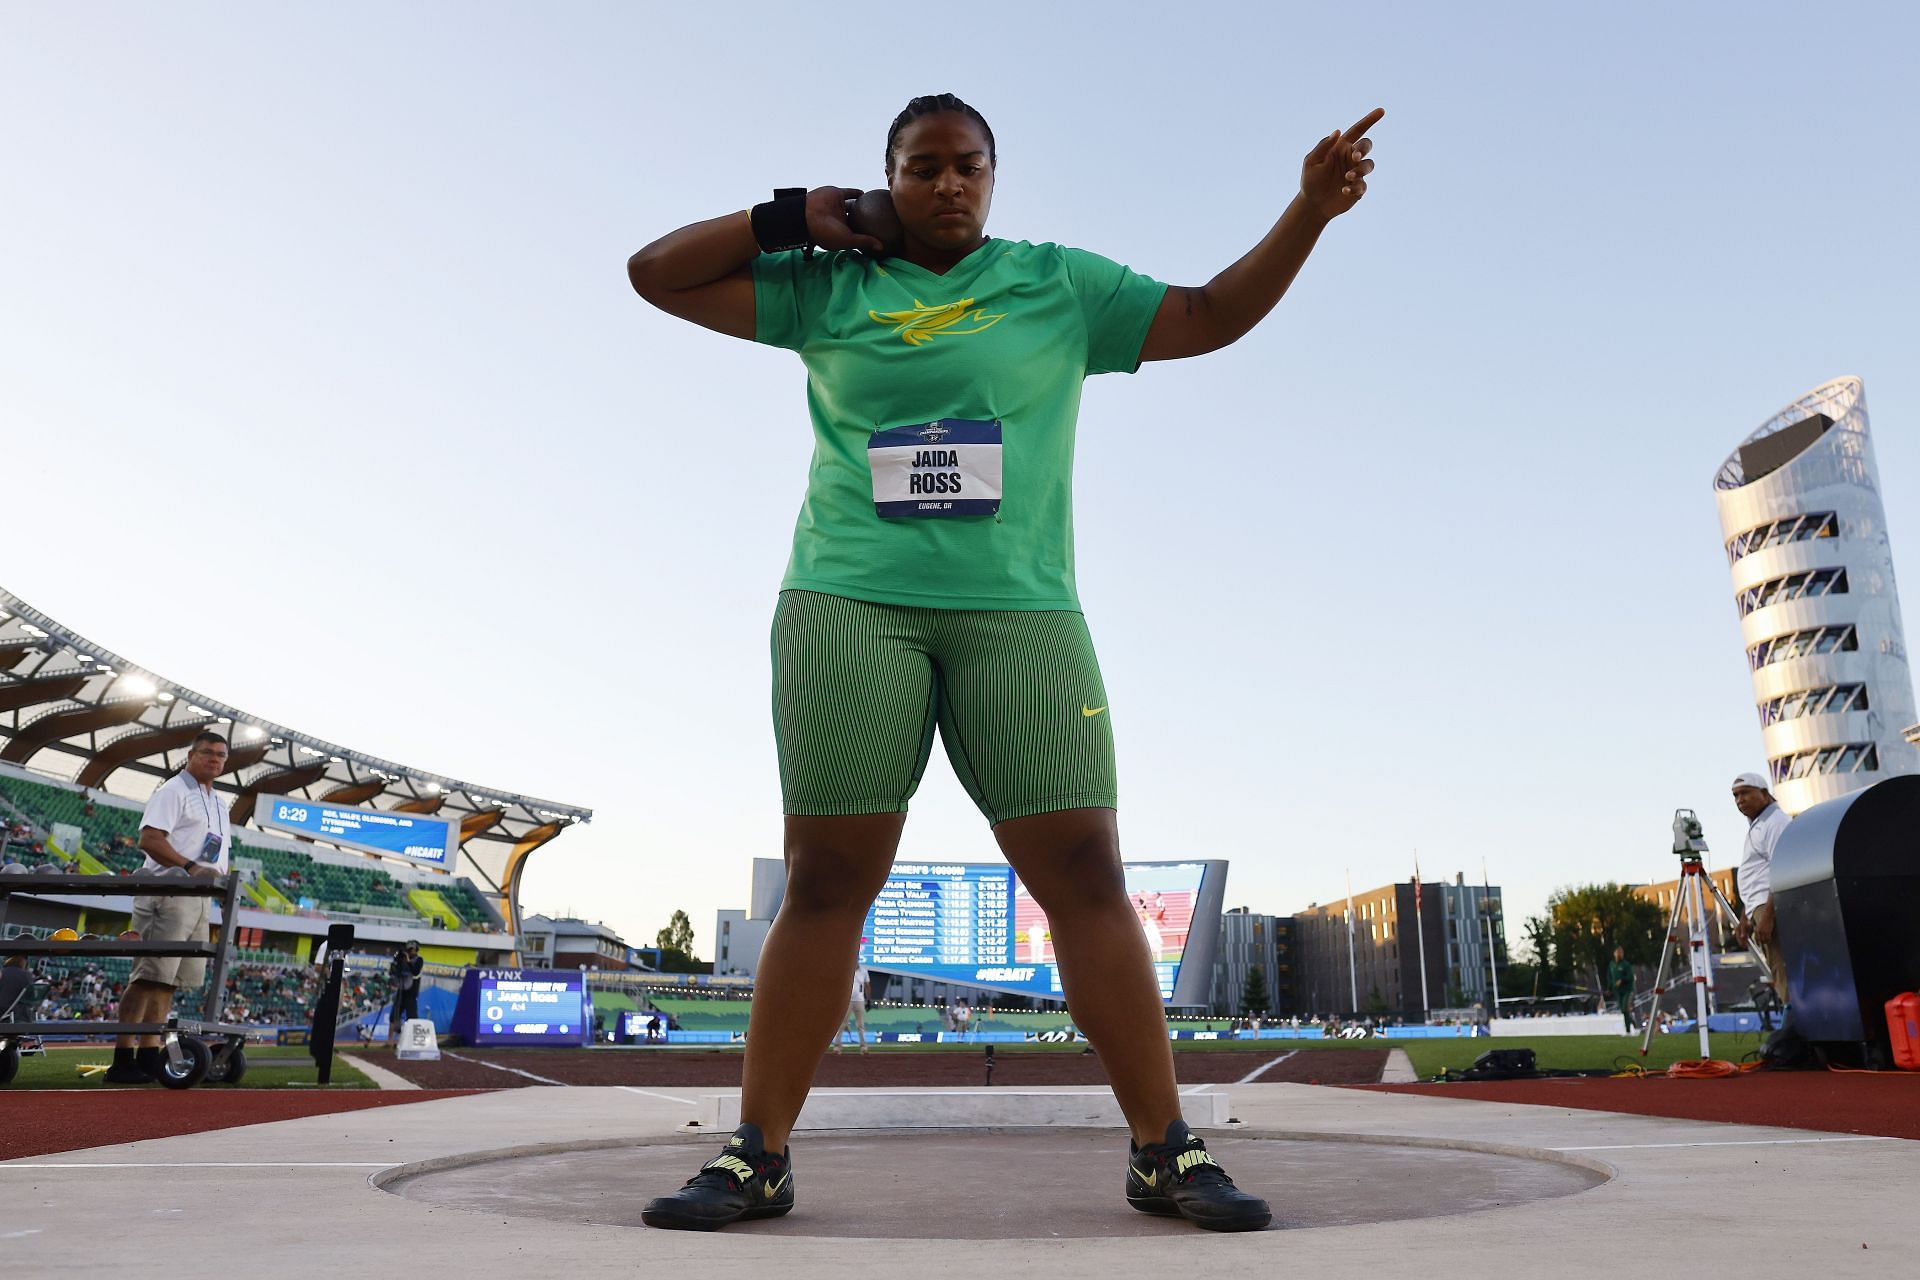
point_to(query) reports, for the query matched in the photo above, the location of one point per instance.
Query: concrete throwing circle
(974, 1184)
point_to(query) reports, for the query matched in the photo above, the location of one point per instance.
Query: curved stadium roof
(76, 710)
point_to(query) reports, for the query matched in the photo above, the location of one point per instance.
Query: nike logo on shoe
(772, 1189)
(1189, 1159)
(732, 1164)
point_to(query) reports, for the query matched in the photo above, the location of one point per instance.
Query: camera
(1689, 839)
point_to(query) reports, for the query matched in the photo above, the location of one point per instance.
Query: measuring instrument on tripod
(1690, 907)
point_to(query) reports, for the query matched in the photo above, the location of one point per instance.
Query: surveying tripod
(1690, 904)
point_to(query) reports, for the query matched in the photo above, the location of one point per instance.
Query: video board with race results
(975, 923)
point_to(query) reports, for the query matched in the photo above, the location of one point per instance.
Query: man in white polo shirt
(1754, 877)
(185, 825)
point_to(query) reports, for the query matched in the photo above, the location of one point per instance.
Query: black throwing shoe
(744, 1181)
(1176, 1177)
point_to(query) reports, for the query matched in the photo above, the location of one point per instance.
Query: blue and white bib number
(945, 468)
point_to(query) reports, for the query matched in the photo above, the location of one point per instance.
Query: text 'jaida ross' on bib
(945, 468)
(944, 409)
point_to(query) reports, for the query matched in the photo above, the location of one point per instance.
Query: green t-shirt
(1006, 336)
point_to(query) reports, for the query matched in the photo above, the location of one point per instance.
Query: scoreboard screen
(415, 836)
(976, 924)
(523, 1006)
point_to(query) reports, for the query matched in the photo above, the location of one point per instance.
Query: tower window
(1787, 529)
(1793, 586)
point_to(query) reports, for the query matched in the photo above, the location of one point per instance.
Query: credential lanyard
(215, 827)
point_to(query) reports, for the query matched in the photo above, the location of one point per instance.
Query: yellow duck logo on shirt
(919, 326)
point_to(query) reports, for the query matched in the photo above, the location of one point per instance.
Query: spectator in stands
(183, 827)
(405, 974)
(1754, 878)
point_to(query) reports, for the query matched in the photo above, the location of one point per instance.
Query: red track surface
(34, 1122)
(1832, 1101)
(39, 1122)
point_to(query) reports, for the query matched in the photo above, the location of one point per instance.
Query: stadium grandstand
(85, 737)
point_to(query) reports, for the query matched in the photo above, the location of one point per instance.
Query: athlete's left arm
(1194, 320)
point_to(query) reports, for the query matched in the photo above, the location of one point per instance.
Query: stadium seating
(613, 1002)
(433, 907)
(363, 890)
(893, 1018)
(262, 890)
(704, 1015)
(731, 1015)
(468, 905)
(115, 969)
(47, 805)
(122, 859)
(110, 844)
(250, 955)
(1020, 1020)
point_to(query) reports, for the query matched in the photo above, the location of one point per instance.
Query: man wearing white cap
(1765, 821)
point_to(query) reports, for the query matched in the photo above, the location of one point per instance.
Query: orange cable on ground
(1706, 1069)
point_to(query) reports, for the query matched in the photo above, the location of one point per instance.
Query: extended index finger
(1363, 124)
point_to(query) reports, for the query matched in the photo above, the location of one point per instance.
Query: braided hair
(930, 104)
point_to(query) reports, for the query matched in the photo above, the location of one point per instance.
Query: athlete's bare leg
(835, 869)
(1070, 862)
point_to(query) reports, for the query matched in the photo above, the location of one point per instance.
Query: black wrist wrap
(781, 223)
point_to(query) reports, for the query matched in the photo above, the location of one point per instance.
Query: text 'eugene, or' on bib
(945, 468)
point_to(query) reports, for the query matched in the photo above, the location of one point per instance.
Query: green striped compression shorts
(858, 688)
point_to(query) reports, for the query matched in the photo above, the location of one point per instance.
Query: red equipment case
(1903, 1028)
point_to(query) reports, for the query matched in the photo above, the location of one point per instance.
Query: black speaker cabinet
(1846, 901)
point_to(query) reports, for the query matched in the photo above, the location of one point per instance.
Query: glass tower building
(1805, 534)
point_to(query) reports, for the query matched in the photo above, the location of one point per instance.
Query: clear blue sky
(324, 392)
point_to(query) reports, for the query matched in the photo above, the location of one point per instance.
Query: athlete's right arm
(704, 272)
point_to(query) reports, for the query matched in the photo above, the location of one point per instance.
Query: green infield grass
(1429, 1056)
(1570, 1053)
(268, 1067)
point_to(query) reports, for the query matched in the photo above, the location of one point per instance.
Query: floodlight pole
(1493, 961)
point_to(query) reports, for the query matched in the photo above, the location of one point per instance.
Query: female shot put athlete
(931, 586)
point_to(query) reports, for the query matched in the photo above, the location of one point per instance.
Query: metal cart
(196, 1049)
